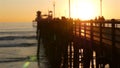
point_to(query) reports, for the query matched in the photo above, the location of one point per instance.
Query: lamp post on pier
(54, 8)
(101, 8)
(69, 9)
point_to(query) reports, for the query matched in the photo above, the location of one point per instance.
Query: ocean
(17, 43)
(17, 34)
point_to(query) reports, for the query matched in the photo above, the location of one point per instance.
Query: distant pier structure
(72, 43)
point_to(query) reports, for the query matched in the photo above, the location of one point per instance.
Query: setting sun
(83, 10)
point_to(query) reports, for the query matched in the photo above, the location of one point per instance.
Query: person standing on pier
(38, 19)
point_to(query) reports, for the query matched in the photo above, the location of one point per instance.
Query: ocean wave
(17, 37)
(19, 45)
(17, 32)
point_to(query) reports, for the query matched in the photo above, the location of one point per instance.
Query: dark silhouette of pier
(71, 43)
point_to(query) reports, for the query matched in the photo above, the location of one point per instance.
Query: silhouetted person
(101, 18)
(38, 20)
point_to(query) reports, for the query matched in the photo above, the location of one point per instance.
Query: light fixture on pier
(101, 8)
(54, 8)
(69, 9)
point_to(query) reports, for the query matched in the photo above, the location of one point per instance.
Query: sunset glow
(83, 10)
(25, 10)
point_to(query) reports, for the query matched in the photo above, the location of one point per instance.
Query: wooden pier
(72, 43)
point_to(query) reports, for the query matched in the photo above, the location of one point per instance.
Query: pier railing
(71, 43)
(103, 38)
(107, 32)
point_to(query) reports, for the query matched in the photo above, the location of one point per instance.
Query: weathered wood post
(99, 52)
(71, 42)
(70, 54)
(114, 55)
(101, 43)
(86, 50)
(91, 40)
(76, 47)
(38, 19)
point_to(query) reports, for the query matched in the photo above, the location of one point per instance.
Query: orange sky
(24, 10)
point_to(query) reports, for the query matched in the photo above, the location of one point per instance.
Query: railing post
(70, 46)
(80, 30)
(114, 56)
(91, 40)
(99, 53)
(86, 50)
(70, 59)
(100, 34)
(76, 48)
(85, 31)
